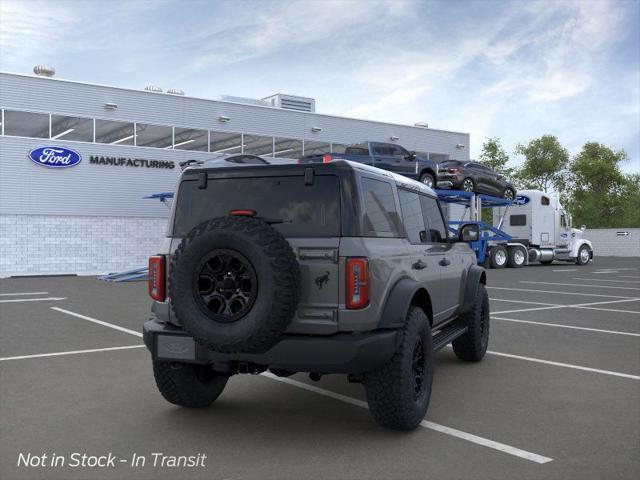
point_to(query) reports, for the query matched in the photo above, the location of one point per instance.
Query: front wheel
(398, 394)
(468, 185)
(188, 385)
(584, 255)
(508, 194)
(428, 180)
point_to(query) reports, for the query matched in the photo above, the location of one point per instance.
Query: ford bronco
(322, 268)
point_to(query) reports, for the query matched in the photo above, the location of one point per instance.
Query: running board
(447, 335)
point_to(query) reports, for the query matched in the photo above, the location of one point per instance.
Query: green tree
(495, 157)
(545, 164)
(598, 193)
(630, 217)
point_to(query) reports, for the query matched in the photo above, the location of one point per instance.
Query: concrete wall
(612, 242)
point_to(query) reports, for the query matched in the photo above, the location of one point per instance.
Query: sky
(509, 69)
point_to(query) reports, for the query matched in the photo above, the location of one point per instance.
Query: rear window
(450, 163)
(306, 210)
(357, 150)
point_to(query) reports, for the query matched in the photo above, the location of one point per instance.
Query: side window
(518, 220)
(563, 221)
(433, 219)
(380, 215)
(380, 149)
(398, 151)
(412, 216)
(544, 201)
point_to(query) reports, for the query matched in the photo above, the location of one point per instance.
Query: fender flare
(580, 243)
(475, 276)
(398, 301)
(430, 171)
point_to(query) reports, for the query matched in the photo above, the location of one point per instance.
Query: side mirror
(583, 228)
(469, 233)
(411, 156)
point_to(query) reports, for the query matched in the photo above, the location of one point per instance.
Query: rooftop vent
(44, 71)
(153, 88)
(175, 91)
(421, 124)
(245, 100)
(291, 102)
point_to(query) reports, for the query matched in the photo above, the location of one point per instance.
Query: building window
(115, 133)
(257, 145)
(438, 157)
(156, 136)
(71, 128)
(191, 139)
(26, 124)
(287, 148)
(316, 148)
(227, 143)
(338, 148)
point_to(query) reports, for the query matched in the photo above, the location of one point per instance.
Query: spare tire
(234, 284)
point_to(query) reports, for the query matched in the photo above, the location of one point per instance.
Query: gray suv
(324, 268)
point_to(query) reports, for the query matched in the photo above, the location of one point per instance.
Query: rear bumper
(339, 353)
(453, 180)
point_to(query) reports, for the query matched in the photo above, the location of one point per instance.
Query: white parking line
(580, 285)
(22, 293)
(629, 276)
(523, 301)
(611, 310)
(99, 322)
(577, 305)
(605, 280)
(566, 270)
(573, 327)
(72, 352)
(560, 293)
(47, 299)
(533, 457)
(565, 365)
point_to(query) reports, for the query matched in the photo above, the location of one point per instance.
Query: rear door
(383, 156)
(444, 253)
(424, 256)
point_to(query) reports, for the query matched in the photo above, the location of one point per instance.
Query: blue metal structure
(488, 233)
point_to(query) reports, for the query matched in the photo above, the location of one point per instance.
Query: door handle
(444, 262)
(419, 265)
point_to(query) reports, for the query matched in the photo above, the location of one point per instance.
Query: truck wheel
(498, 256)
(398, 394)
(472, 346)
(188, 385)
(584, 255)
(234, 284)
(427, 179)
(517, 257)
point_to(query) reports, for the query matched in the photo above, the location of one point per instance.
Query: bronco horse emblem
(322, 280)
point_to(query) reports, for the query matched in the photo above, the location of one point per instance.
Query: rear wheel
(188, 385)
(428, 180)
(472, 346)
(584, 255)
(498, 258)
(398, 394)
(468, 185)
(517, 257)
(508, 194)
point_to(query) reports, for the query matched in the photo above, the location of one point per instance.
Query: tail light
(157, 278)
(242, 213)
(454, 170)
(357, 283)
(326, 158)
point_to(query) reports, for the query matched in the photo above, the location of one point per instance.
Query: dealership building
(77, 160)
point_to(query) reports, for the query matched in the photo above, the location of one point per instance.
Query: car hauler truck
(534, 228)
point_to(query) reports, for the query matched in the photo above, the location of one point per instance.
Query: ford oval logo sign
(55, 157)
(522, 200)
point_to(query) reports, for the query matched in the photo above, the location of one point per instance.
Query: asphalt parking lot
(558, 396)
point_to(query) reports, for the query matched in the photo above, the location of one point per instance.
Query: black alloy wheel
(225, 285)
(419, 365)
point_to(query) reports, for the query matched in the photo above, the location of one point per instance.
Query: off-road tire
(495, 256)
(472, 346)
(391, 392)
(426, 177)
(512, 262)
(277, 275)
(188, 385)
